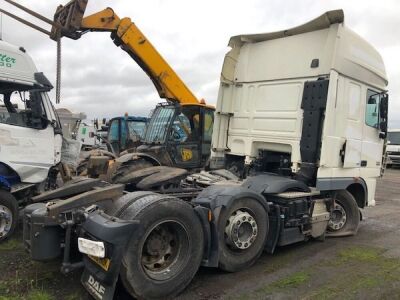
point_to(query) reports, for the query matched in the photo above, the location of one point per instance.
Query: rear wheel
(161, 260)
(243, 229)
(345, 216)
(8, 215)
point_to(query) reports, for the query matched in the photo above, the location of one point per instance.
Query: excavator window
(185, 127)
(159, 124)
(186, 136)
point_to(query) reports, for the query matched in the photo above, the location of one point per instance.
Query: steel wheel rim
(6, 220)
(165, 250)
(338, 217)
(241, 230)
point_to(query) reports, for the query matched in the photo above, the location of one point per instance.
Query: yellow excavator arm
(69, 22)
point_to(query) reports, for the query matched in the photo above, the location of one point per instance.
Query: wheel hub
(338, 217)
(157, 243)
(241, 230)
(6, 219)
(165, 250)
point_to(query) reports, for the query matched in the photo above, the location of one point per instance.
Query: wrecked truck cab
(30, 133)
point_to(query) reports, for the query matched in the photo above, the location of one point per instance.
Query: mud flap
(97, 289)
(99, 278)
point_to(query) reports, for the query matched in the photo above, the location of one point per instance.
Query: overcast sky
(103, 81)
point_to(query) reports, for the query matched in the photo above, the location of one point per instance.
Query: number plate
(104, 263)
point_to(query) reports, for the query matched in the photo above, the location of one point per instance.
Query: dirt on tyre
(8, 215)
(345, 216)
(243, 230)
(161, 259)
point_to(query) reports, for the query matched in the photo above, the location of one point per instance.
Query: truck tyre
(345, 216)
(243, 230)
(118, 207)
(8, 215)
(161, 259)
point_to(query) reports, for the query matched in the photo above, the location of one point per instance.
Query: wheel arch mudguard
(217, 198)
(355, 186)
(274, 184)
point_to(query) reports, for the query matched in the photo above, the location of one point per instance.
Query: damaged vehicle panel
(30, 135)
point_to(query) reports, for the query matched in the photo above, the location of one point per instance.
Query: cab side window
(372, 109)
(24, 109)
(186, 126)
(114, 131)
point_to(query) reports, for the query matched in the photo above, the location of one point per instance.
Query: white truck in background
(393, 148)
(30, 134)
(70, 121)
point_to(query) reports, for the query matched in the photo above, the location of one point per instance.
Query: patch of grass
(9, 298)
(293, 280)
(362, 254)
(280, 261)
(9, 245)
(3, 288)
(354, 272)
(75, 296)
(364, 271)
(39, 295)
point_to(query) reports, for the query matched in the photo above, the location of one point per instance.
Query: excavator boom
(69, 21)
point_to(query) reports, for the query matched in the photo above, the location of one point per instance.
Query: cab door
(207, 130)
(185, 137)
(28, 141)
(353, 123)
(114, 136)
(372, 143)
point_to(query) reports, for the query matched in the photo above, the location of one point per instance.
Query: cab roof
(16, 65)
(325, 38)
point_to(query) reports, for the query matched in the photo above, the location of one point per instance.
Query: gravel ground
(366, 266)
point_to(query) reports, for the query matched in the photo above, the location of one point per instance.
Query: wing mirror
(383, 115)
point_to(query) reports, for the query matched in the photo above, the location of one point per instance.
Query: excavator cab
(179, 135)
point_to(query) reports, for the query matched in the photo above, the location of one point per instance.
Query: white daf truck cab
(30, 133)
(311, 99)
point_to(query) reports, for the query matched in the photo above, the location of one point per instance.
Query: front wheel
(8, 215)
(345, 215)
